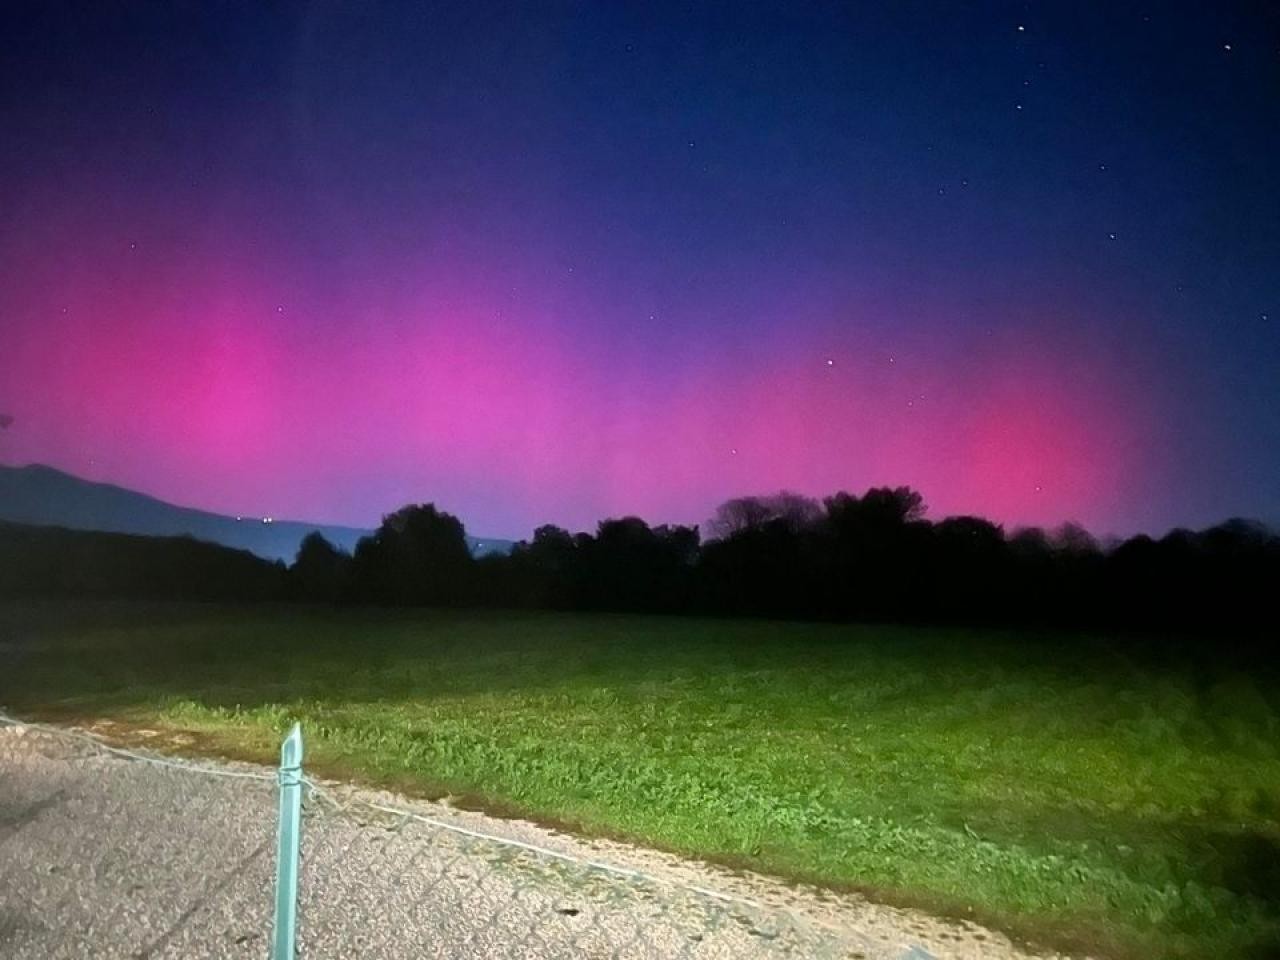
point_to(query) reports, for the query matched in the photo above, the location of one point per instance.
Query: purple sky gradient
(562, 266)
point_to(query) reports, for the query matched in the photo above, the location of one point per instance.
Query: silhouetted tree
(736, 515)
(881, 510)
(964, 570)
(865, 566)
(762, 570)
(419, 555)
(553, 546)
(630, 566)
(795, 511)
(1074, 539)
(540, 572)
(321, 571)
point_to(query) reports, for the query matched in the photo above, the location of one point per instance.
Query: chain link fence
(106, 852)
(464, 894)
(117, 853)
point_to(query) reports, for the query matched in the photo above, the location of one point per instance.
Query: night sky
(319, 260)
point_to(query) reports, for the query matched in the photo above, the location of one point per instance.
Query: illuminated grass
(1054, 788)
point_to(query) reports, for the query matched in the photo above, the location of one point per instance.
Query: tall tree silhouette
(321, 571)
(741, 514)
(418, 555)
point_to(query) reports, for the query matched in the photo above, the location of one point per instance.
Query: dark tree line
(872, 557)
(55, 562)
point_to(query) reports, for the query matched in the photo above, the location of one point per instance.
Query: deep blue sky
(556, 262)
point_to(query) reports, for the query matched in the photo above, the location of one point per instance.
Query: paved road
(102, 856)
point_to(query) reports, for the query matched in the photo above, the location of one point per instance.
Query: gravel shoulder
(105, 856)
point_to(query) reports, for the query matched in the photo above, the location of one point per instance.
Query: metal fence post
(286, 927)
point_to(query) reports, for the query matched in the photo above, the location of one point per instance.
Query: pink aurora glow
(177, 368)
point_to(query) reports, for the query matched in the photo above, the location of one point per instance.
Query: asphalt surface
(103, 856)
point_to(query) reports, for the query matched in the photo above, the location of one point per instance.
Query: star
(832, 363)
(1226, 47)
(733, 451)
(1017, 106)
(1021, 28)
(1111, 236)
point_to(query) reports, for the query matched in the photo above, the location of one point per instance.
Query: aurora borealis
(320, 260)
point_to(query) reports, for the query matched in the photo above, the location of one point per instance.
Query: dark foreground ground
(1075, 791)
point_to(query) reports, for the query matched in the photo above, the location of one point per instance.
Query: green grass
(1055, 789)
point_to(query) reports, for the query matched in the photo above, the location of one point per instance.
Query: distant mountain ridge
(41, 495)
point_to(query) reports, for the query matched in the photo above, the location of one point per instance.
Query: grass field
(1057, 790)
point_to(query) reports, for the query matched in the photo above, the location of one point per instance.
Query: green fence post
(286, 929)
